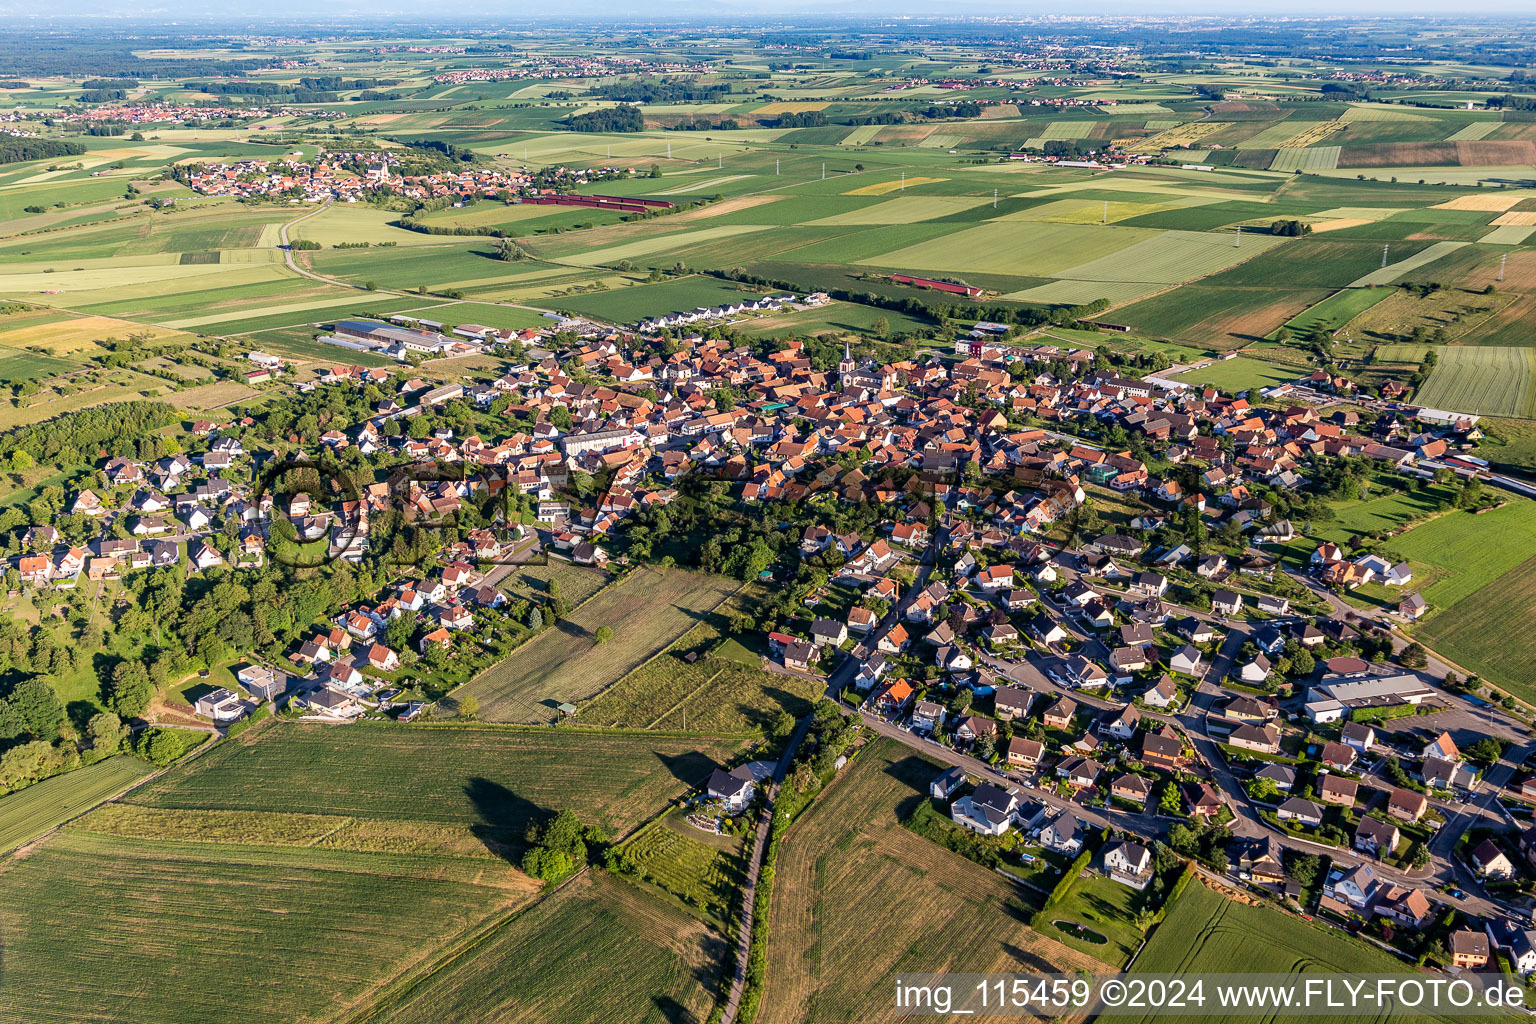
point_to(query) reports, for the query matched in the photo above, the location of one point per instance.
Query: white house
(1129, 864)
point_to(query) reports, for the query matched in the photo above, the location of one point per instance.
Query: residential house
(1491, 862)
(221, 705)
(1373, 835)
(734, 788)
(1469, 948)
(1300, 810)
(1023, 753)
(946, 782)
(1064, 833)
(1129, 864)
(1010, 702)
(1186, 661)
(1335, 789)
(1162, 751)
(988, 809)
(1133, 788)
(1061, 714)
(1406, 805)
(1201, 800)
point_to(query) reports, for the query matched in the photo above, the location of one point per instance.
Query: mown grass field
(647, 612)
(1240, 373)
(295, 934)
(1205, 932)
(1466, 552)
(600, 949)
(1477, 633)
(858, 899)
(28, 813)
(492, 780)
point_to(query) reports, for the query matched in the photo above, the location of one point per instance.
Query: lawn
(28, 813)
(858, 900)
(1240, 373)
(260, 921)
(491, 780)
(647, 611)
(599, 949)
(1205, 932)
(1104, 907)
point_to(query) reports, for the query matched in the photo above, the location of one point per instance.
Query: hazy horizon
(480, 15)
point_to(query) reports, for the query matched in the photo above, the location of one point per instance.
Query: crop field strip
(1206, 933)
(647, 612)
(848, 870)
(1484, 380)
(490, 778)
(595, 928)
(1394, 272)
(247, 915)
(30, 812)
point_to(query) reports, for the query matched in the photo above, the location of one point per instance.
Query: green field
(1337, 310)
(704, 682)
(1466, 552)
(491, 780)
(627, 305)
(1241, 373)
(858, 899)
(597, 950)
(1482, 379)
(45, 805)
(646, 611)
(292, 934)
(1477, 635)
(1205, 932)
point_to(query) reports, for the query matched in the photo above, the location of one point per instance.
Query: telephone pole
(1502, 260)
(903, 181)
(994, 199)
(1238, 241)
(775, 167)
(823, 172)
(1105, 220)
(1384, 255)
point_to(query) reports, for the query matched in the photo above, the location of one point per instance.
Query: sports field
(29, 813)
(1482, 379)
(858, 899)
(646, 611)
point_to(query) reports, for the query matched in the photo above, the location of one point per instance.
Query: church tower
(846, 367)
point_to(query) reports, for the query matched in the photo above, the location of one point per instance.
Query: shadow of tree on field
(504, 818)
